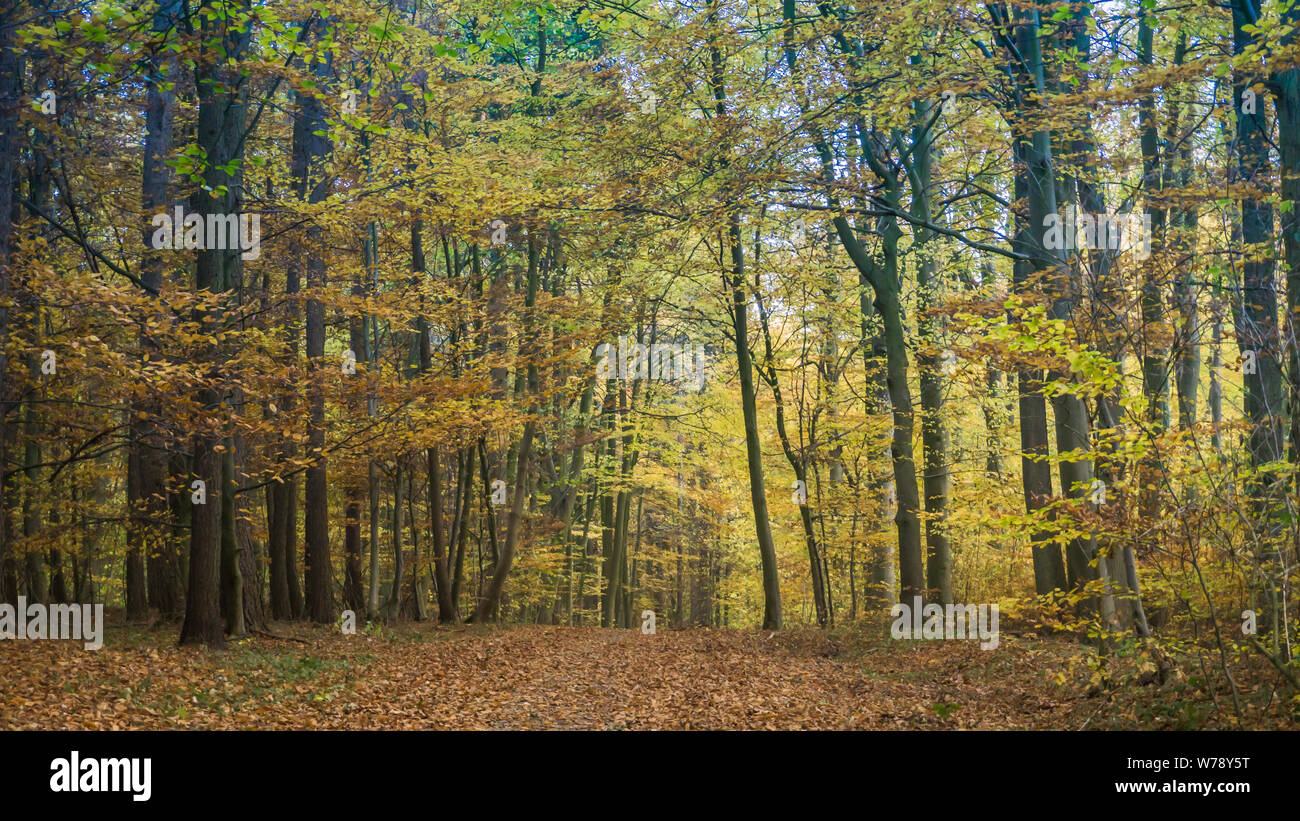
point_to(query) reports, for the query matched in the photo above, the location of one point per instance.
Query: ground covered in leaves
(534, 677)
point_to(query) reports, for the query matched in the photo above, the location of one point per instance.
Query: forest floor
(423, 676)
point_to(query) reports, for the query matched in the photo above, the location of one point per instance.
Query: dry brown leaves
(425, 677)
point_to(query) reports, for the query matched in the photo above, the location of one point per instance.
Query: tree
(222, 102)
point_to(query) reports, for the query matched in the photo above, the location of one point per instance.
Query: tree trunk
(769, 373)
(441, 576)
(1038, 191)
(490, 602)
(735, 279)
(220, 135)
(232, 581)
(937, 478)
(393, 607)
(312, 147)
(1257, 326)
(146, 461)
(1155, 356)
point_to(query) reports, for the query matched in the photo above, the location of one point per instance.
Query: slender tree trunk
(354, 596)
(488, 605)
(310, 149)
(490, 602)
(37, 587)
(372, 484)
(753, 447)
(770, 374)
(441, 577)
(1155, 356)
(393, 608)
(735, 279)
(232, 580)
(418, 610)
(937, 478)
(1188, 336)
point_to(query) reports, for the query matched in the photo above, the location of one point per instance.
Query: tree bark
(735, 278)
(311, 183)
(937, 477)
(222, 103)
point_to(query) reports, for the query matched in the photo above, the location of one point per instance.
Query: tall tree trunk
(40, 193)
(1035, 187)
(882, 585)
(146, 461)
(311, 183)
(37, 587)
(885, 284)
(1071, 418)
(753, 447)
(1286, 89)
(1257, 326)
(1118, 564)
(222, 103)
(354, 594)
(1155, 356)
(10, 99)
(745, 367)
(1188, 337)
(937, 478)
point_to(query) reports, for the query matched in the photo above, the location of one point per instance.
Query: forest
(603, 364)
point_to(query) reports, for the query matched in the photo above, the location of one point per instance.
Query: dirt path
(529, 678)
